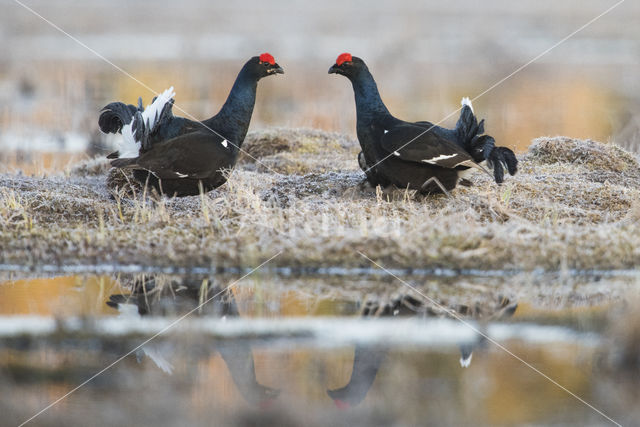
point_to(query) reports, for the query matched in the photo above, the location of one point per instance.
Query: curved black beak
(334, 69)
(277, 70)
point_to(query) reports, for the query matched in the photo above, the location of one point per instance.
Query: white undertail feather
(155, 354)
(151, 114)
(128, 311)
(130, 147)
(465, 362)
(467, 101)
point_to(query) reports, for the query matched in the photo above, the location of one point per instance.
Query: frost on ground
(573, 204)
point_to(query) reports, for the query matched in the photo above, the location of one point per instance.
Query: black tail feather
(502, 158)
(480, 147)
(115, 115)
(496, 163)
(510, 159)
(468, 127)
(165, 116)
(483, 147)
(143, 132)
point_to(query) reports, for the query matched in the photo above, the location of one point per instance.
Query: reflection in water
(149, 298)
(219, 378)
(57, 296)
(159, 296)
(367, 361)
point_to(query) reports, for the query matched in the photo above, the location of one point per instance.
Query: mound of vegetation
(573, 204)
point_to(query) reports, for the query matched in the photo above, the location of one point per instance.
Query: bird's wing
(415, 143)
(195, 155)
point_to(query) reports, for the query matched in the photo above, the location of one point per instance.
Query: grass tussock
(591, 154)
(304, 196)
(297, 151)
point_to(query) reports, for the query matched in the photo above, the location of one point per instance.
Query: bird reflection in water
(160, 296)
(150, 296)
(367, 360)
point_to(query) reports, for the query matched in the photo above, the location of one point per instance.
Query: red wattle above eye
(343, 57)
(266, 57)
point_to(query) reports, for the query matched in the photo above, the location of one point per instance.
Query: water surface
(293, 351)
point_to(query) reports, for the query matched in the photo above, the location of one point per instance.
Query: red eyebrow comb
(266, 57)
(344, 57)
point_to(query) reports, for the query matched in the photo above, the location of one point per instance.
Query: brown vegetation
(573, 204)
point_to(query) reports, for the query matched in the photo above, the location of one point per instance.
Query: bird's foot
(366, 185)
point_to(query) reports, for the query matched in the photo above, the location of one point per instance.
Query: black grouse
(420, 155)
(178, 156)
(153, 296)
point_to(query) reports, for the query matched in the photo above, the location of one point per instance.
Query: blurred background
(425, 55)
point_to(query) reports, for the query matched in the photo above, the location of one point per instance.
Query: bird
(417, 155)
(157, 296)
(178, 156)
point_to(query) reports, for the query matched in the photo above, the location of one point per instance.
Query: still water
(298, 351)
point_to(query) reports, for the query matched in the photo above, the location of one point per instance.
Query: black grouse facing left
(420, 156)
(182, 157)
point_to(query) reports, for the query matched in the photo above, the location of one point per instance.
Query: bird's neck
(232, 122)
(369, 105)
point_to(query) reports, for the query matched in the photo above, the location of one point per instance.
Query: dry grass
(574, 204)
(298, 151)
(591, 154)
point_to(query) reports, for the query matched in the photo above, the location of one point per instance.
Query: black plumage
(178, 156)
(176, 298)
(419, 155)
(117, 114)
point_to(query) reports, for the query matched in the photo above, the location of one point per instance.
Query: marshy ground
(573, 205)
(558, 240)
(541, 257)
